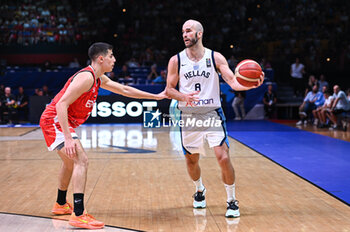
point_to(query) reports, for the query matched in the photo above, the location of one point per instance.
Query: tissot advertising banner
(119, 109)
(108, 109)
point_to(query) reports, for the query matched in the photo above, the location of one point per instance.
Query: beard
(193, 41)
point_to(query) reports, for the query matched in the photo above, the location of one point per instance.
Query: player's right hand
(191, 98)
(70, 148)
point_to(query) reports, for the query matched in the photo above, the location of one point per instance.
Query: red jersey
(80, 109)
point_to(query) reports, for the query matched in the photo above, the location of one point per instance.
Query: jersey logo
(196, 73)
(208, 62)
(89, 104)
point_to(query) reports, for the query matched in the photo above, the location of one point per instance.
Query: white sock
(230, 190)
(199, 185)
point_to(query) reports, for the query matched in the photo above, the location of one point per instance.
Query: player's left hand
(260, 81)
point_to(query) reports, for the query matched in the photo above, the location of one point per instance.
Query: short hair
(97, 49)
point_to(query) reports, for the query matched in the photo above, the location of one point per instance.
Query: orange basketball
(248, 73)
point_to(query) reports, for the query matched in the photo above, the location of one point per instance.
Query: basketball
(248, 73)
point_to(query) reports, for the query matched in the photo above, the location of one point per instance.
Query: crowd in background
(274, 33)
(150, 33)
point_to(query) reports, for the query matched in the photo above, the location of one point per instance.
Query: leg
(80, 169)
(193, 168)
(333, 118)
(61, 206)
(227, 171)
(195, 173)
(322, 116)
(65, 171)
(228, 177)
(79, 218)
(314, 113)
(77, 169)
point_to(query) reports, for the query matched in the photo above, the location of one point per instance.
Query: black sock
(61, 197)
(78, 203)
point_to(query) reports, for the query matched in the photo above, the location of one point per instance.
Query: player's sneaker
(199, 200)
(85, 221)
(232, 209)
(62, 209)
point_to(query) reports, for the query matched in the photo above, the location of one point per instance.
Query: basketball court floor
(287, 180)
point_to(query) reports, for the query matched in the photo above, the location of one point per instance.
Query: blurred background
(44, 42)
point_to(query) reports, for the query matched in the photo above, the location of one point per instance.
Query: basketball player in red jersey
(70, 108)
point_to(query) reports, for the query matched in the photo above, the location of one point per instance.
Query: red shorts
(53, 135)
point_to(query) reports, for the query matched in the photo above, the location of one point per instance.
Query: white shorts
(54, 136)
(200, 128)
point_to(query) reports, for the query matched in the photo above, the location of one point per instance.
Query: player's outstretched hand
(162, 95)
(191, 98)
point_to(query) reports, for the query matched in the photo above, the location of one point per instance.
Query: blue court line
(321, 160)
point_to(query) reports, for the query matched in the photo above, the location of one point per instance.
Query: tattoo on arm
(223, 77)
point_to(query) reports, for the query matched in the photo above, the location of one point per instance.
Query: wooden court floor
(152, 191)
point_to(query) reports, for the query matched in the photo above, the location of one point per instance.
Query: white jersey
(199, 76)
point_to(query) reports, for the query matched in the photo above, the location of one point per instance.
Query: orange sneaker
(85, 221)
(62, 209)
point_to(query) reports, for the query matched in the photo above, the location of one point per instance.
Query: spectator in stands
(265, 64)
(309, 104)
(38, 92)
(270, 100)
(238, 103)
(124, 75)
(132, 63)
(112, 76)
(320, 113)
(47, 66)
(322, 82)
(22, 101)
(340, 105)
(153, 73)
(310, 84)
(74, 64)
(161, 79)
(324, 89)
(348, 94)
(297, 71)
(46, 91)
(8, 105)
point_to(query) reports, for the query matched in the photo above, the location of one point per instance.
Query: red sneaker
(85, 221)
(62, 209)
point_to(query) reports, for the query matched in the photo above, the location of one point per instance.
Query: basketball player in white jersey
(196, 69)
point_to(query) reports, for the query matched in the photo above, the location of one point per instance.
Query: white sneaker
(305, 122)
(299, 123)
(199, 200)
(232, 209)
(333, 127)
(315, 121)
